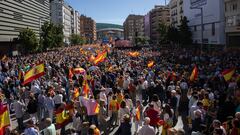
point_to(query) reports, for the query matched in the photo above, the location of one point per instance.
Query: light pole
(201, 9)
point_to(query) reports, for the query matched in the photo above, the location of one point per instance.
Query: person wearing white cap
(146, 129)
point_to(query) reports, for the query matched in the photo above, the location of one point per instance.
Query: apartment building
(232, 22)
(17, 15)
(160, 14)
(213, 20)
(88, 28)
(176, 12)
(133, 27)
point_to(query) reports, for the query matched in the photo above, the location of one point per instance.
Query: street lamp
(201, 9)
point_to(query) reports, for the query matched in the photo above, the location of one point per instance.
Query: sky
(113, 11)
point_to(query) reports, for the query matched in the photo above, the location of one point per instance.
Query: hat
(173, 91)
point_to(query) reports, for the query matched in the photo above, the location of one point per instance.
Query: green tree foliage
(163, 30)
(141, 40)
(173, 35)
(51, 36)
(76, 39)
(185, 33)
(28, 41)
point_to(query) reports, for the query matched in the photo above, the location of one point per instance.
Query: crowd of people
(132, 98)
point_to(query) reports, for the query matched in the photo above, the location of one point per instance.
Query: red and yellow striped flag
(227, 74)
(62, 118)
(70, 74)
(96, 108)
(86, 88)
(138, 113)
(34, 73)
(4, 119)
(79, 71)
(150, 64)
(20, 74)
(76, 93)
(134, 54)
(100, 58)
(194, 74)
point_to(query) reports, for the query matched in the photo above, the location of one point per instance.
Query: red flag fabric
(194, 74)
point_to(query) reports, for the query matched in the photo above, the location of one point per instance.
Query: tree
(28, 40)
(162, 29)
(51, 36)
(173, 35)
(75, 39)
(184, 32)
(58, 34)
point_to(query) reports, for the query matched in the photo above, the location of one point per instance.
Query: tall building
(63, 14)
(76, 22)
(160, 14)
(213, 20)
(17, 15)
(232, 18)
(88, 28)
(176, 12)
(147, 25)
(133, 27)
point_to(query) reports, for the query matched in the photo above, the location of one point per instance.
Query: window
(195, 28)
(234, 7)
(213, 29)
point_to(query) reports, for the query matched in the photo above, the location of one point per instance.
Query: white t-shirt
(58, 99)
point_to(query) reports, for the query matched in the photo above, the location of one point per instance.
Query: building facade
(213, 20)
(232, 22)
(133, 27)
(76, 22)
(109, 33)
(88, 28)
(17, 15)
(160, 14)
(147, 25)
(63, 14)
(176, 12)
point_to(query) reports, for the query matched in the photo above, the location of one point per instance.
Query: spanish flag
(227, 74)
(194, 74)
(96, 108)
(134, 54)
(62, 118)
(20, 74)
(86, 88)
(76, 93)
(138, 113)
(100, 58)
(150, 64)
(4, 119)
(70, 74)
(79, 71)
(34, 73)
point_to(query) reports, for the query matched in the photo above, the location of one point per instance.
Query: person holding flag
(138, 115)
(92, 109)
(4, 118)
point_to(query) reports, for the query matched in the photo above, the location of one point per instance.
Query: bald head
(147, 120)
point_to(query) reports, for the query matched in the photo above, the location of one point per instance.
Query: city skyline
(115, 13)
